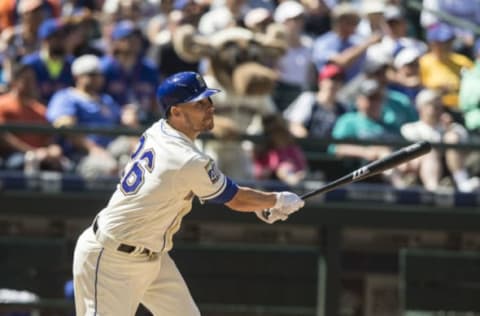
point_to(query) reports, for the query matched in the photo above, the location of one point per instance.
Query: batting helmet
(182, 87)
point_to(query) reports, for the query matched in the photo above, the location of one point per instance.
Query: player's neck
(183, 129)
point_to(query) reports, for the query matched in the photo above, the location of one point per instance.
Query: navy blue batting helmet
(182, 87)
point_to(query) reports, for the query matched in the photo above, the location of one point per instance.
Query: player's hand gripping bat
(375, 167)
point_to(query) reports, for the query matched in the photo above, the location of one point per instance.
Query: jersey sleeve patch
(212, 171)
(203, 177)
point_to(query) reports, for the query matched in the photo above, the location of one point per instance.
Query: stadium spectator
(395, 36)
(10, 15)
(434, 127)
(441, 68)
(7, 16)
(279, 158)
(313, 114)
(372, 20)
(405, 75)
(257, 19)
(317, 16)
(465, 10)
(71, 7)
(220, 17)
(192, 10)
(50, 63)
(162, 49)
(129, 76)
(86, 105)
(22, 39)
(82, 28)
(397, 108)
(341, 45)
(364, 124)
(295, 67)
(137, 11)
(28, 151)
(469, 96)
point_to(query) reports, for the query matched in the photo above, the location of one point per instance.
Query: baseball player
(122, 258)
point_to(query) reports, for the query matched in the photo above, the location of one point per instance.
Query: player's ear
(175, 111)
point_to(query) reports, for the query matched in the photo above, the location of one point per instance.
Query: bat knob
(266, 214)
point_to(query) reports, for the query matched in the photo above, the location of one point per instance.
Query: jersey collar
(168, 130)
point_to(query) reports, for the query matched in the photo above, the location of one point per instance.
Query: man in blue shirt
(340, 46)
(50, 63)
(130, 77)
(85, 105)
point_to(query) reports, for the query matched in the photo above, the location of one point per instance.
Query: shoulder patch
(212, 171)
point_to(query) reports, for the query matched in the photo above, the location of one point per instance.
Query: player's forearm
(249, 200)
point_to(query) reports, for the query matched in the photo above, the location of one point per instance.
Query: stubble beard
(209, 125)
(203, 126)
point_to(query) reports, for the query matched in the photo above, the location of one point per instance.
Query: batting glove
(288, 202)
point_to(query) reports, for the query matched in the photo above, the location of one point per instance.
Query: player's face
(199, 115)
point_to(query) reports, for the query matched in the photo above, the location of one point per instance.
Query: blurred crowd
(361, 69)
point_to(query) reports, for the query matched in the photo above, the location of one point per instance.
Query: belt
(124, 247)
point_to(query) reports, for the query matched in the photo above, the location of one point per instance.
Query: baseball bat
(375, 167)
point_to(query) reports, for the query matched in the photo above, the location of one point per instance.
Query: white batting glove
(286, 204)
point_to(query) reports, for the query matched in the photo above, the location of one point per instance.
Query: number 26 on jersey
(143, 161)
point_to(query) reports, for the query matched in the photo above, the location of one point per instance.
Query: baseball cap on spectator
(372, 7)
(123, 29)
(440, 32)
(427, 96)
(25, 6)
(406, 56)
(330, 71)
(344, 9)
(256, 16)
(288, 10)
(369, 87)
(49, 28)
(374, 63)
(393, 13)
(85, 65)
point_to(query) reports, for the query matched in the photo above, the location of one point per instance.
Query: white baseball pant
(108, 282)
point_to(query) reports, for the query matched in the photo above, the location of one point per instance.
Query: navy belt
(124, 247)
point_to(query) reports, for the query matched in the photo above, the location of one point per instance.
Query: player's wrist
(278, 200)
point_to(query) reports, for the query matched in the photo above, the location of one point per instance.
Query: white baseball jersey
(156, 191)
